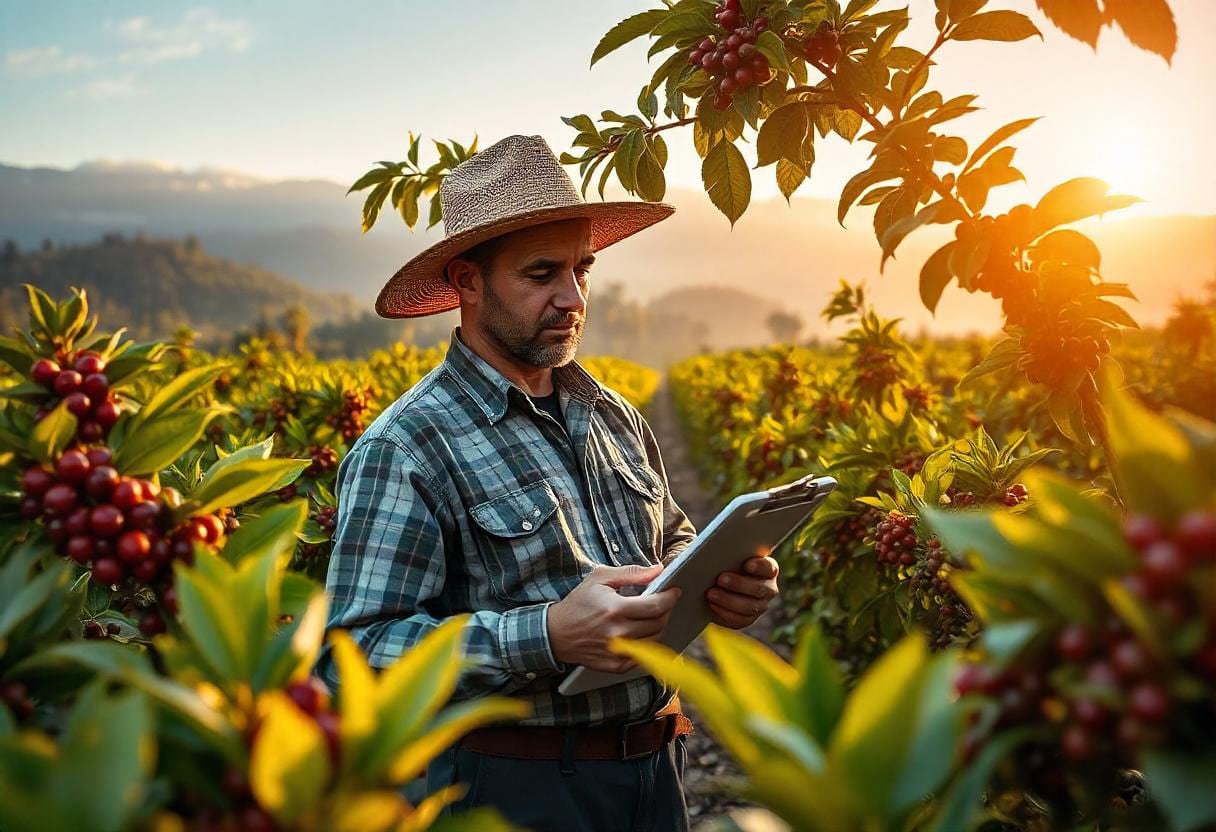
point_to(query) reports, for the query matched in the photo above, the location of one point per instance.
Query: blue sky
(321, 89)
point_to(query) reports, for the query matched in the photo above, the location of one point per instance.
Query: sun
(1128, 156)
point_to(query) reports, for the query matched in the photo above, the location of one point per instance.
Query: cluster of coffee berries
(1007, 235)
(326, 517)
(895, 539)
(909, 462)
(1106, 691)
(782, 383)
(876, 369)
(731, 59)
(312, 697)
(15, 696)
(349, 420)
(1056, 353)
(822, 46)
(94, 629)
(278, 412)
(119, 527)
(324, 460)
(81, 384)
(917, 399)
(1168, 559)
(1015, 495)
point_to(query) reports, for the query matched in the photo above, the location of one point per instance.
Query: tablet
(751, 525)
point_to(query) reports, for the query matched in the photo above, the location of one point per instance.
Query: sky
(311, 89)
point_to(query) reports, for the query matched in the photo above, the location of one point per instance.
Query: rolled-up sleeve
(389, 566)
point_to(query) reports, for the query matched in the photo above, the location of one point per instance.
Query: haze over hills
(307, 230)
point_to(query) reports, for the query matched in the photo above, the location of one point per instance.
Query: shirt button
(536, 512)
(616, 546)
(527, 524)
(530, 675)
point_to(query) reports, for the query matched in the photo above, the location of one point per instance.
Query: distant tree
(112, 238)
(296, 322)
(47, 245)
(784, 326)
(1191, 325)
(10, 252)
(192, 245)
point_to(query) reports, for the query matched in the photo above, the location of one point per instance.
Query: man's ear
(465, 278)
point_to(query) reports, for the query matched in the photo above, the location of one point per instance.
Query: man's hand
(582, 623)
(741, 597)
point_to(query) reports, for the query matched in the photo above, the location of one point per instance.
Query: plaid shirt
(464, 497)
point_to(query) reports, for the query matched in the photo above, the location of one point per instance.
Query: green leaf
(727, 180)
(901, 228)
(782, 135)
(1075, 200)
(789, 177)
(771, 47)
(627, 30)
(1066, 246)
(651, 183)
(937, 726)
(209, 617)
(179, 391)
(999, 25)
(161, 441)
(935, 276)
(874, 734)
(52, 434)
(752, 672)
(17, 355)
(960, 807)
(289, 765)
(998, 136)
(1004, 355)
(1151, 460)
(1181, 785)
(242, 481)
(274, 530)
(1148, 24)
(820, 689)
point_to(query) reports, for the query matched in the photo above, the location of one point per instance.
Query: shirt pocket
(520, 541)
(643, 494)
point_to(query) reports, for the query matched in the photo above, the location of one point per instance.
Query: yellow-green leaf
(727, 179)
(289, 767)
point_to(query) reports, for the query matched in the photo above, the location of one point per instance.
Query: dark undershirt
(552, 406)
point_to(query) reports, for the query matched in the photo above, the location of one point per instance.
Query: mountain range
(791, 256)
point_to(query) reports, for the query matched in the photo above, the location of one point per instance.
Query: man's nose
(571, 296)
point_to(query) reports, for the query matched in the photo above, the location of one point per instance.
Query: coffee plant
(164, 517)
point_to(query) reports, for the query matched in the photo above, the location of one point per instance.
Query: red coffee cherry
(106, 414)
(90, 430)
(151, 624)
(101, 482)
(126, 493)
(80, 548)
(107, 571)
(1149, 702)
(88, 363)
(67, 381)
(143, 514)
(78, 404)
(99, 456)
(1196, 535)
(1141, 531)
(1076, 743)
(145, 571)
(1074, 643)
(44, 372)
(59, 499)
(78, 521)
(213, 528)
(134, 546)
(96, 386)
(36, 481)
(309, 695)
(106, 520)
(73, 467)
(1164, 565)
(168, 597)
(162, 550)
(30, 508)
(327, 721)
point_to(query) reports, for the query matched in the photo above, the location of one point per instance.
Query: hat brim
(419, 287)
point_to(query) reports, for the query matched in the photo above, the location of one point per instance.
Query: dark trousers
(643, 794)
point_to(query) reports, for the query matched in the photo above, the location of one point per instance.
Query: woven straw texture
(512, 184)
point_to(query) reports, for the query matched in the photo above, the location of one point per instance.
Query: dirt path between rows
(709, 767)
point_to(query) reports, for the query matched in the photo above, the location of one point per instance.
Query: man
(510, 484)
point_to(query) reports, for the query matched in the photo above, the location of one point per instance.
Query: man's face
(539, 280)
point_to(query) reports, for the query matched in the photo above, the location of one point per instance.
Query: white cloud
(199, 29)
(44, 60)
(103, 89)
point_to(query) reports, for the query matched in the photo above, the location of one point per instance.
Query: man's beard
(525, 342)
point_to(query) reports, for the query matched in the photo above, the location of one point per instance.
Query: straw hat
(512, 184)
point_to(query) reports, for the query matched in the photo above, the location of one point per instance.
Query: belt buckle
(669, 732)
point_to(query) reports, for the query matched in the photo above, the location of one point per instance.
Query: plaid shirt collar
(490, 389)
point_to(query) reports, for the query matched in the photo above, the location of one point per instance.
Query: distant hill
(151, 286)
(740, 328)
(791, 255)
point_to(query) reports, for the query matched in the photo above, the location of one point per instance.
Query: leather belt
(617, 741)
